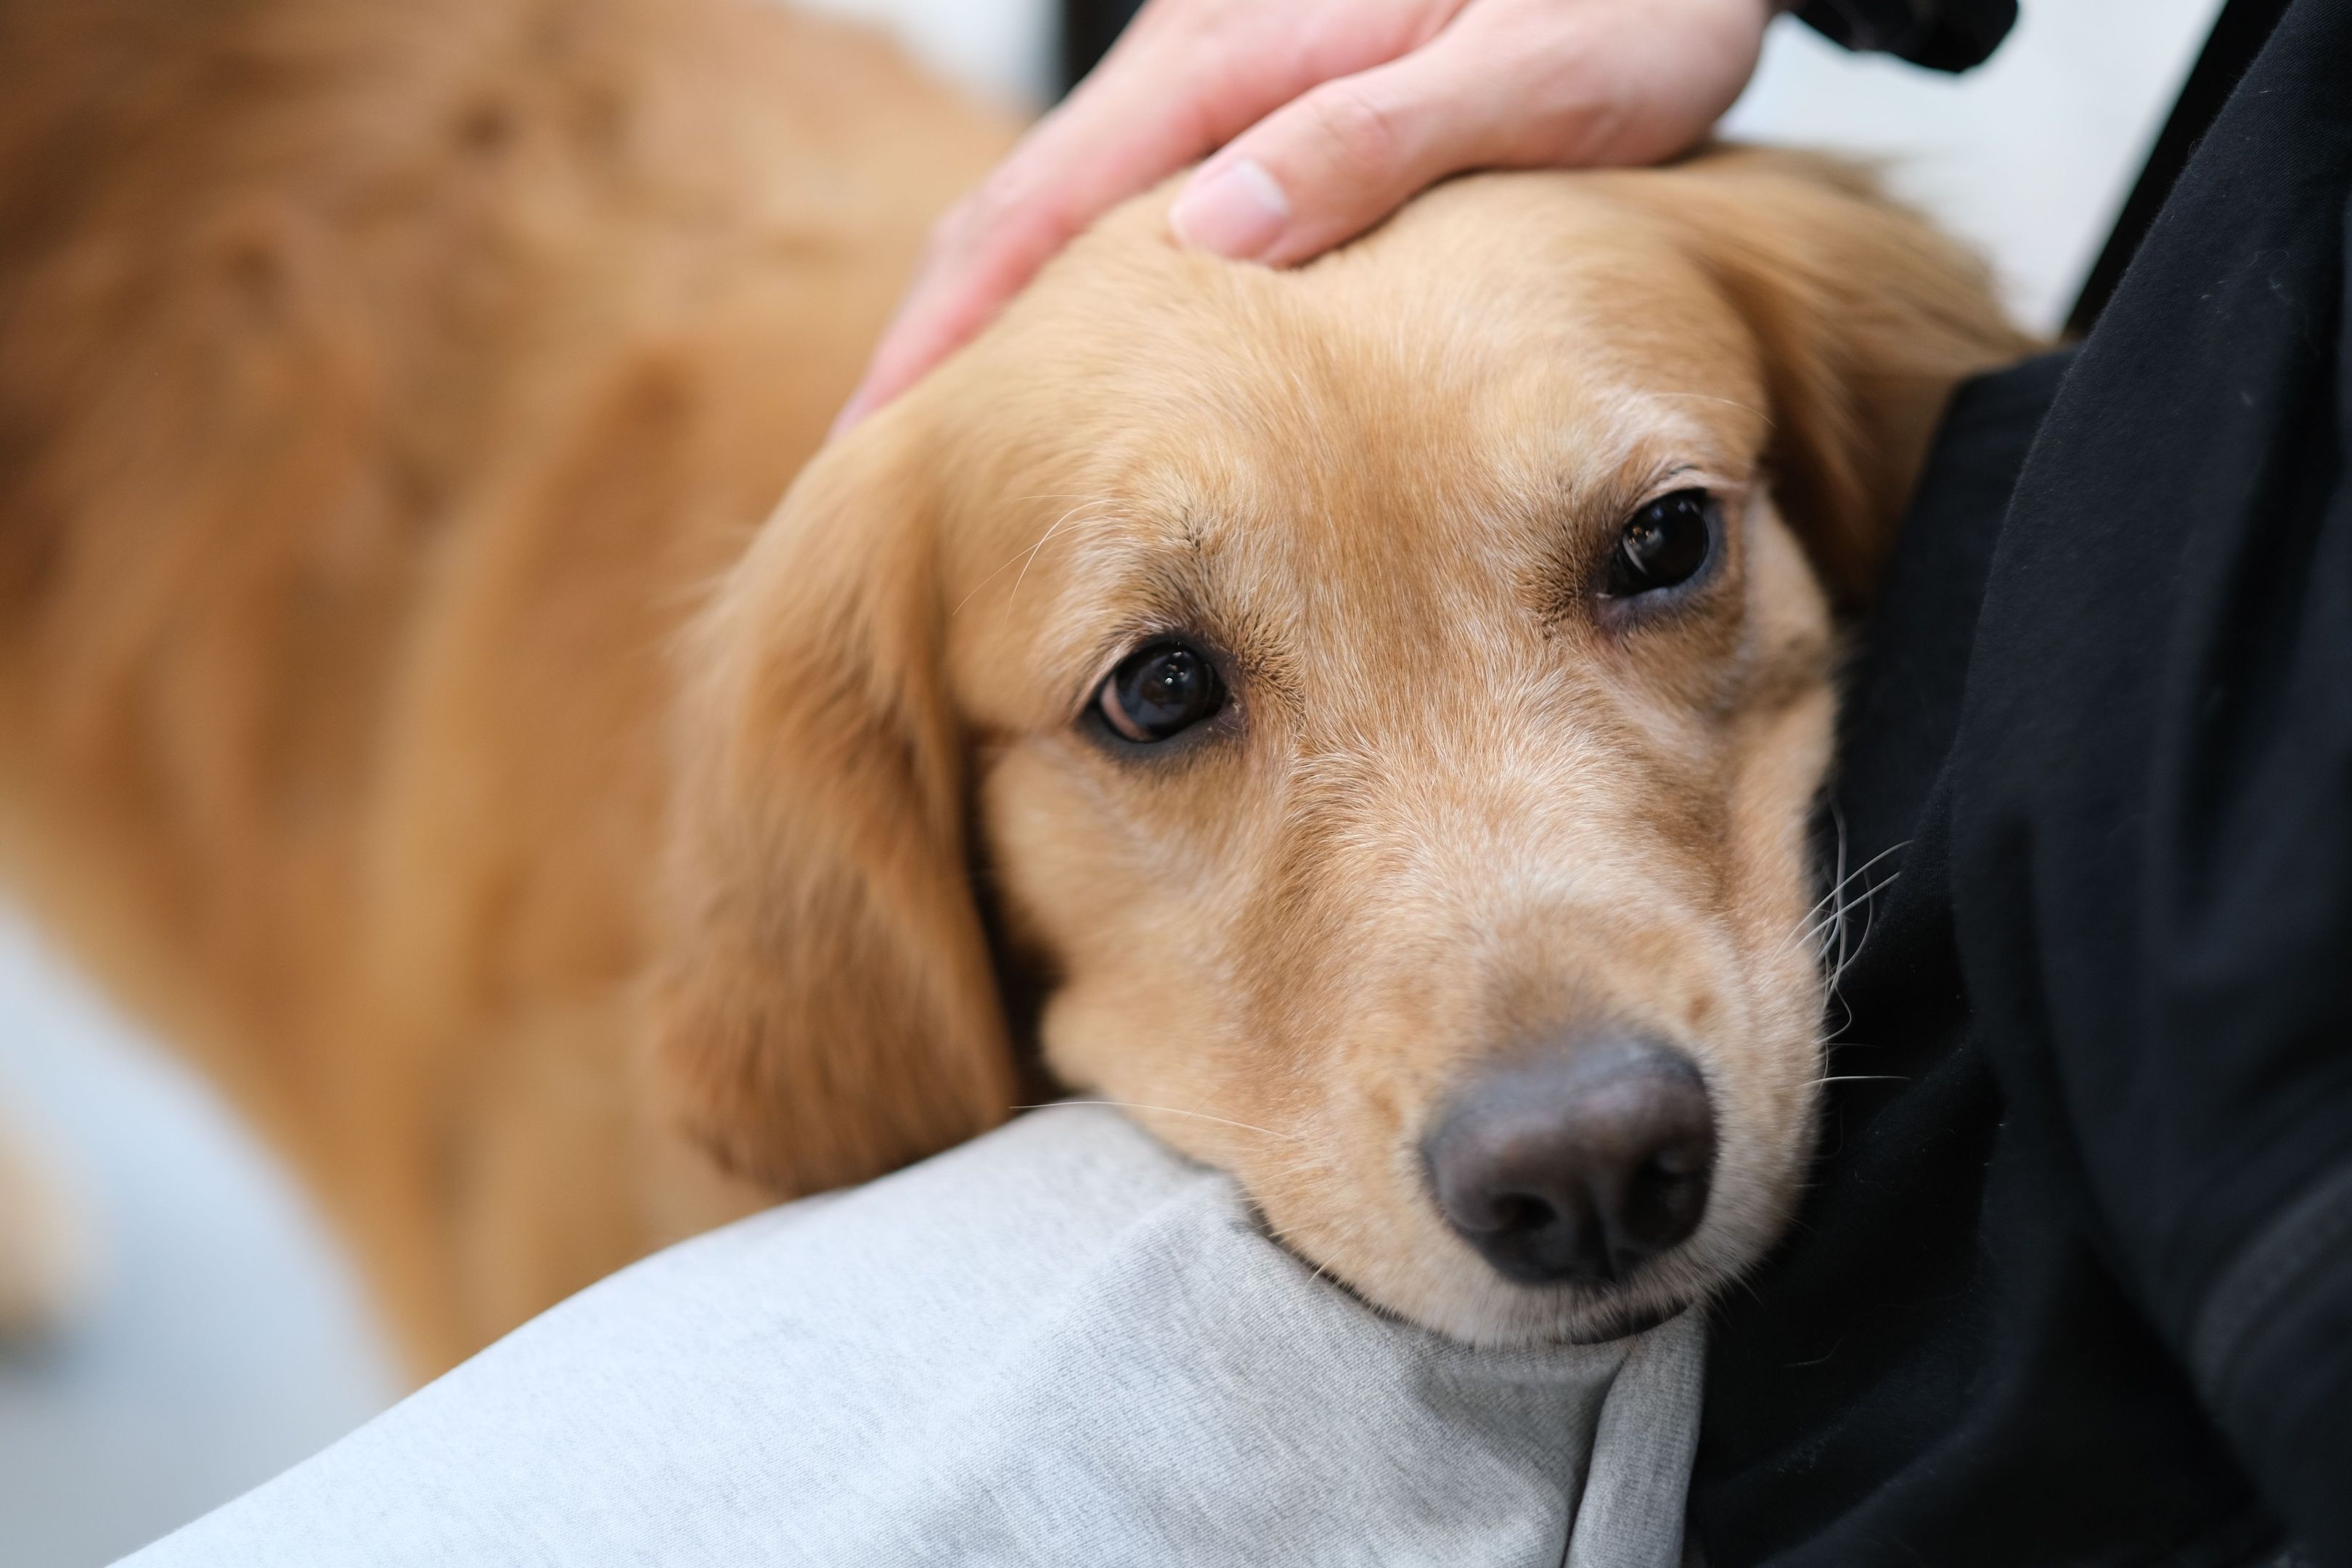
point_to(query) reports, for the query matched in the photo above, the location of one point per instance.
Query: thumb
(1337, 160)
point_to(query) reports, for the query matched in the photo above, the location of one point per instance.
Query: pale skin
(1317, 119)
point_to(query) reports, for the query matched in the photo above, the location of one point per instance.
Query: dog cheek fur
(1291, 1003)
(1134, 921)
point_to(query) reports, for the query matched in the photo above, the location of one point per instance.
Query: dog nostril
(1579, 1164)
(1516, 1212)
(1666, 1201)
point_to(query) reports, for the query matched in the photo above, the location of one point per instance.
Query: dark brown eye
(1157, 692)
(1664, 543)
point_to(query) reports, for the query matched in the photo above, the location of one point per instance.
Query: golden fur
(403, 703)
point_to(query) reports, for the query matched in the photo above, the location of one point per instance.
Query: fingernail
(1235, 210)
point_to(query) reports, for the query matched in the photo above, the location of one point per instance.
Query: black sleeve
(1942, 34)
(2074, 1282)
(2152, 782)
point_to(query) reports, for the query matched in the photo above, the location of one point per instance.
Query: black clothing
(1089, 27)
(2075, 1283)
(1942, 34)
(1951, 35)
(2237, 36)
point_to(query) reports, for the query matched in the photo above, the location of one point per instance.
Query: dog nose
(1576, 1166)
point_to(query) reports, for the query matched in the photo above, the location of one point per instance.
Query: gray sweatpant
(1061, 1344)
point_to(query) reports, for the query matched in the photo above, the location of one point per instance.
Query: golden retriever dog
(1365, 718)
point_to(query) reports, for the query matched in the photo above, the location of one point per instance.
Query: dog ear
(1868, 316)
(827, 1009)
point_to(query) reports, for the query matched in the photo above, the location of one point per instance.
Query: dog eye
(1663, 543)
(1158, 690)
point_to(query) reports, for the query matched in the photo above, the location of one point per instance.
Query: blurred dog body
(379, 387)
(403, 703)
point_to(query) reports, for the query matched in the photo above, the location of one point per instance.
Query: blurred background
(222, 1336)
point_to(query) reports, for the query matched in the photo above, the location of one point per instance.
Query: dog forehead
(1395, 437)
(1479, 270)
(1515, 332)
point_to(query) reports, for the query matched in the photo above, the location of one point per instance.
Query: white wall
(226, 1338)
(1003, 48)
(2029, 155)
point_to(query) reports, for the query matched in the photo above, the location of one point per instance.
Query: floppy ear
(827, 1009)
(1868, 316)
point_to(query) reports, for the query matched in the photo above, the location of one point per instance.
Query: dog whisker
(1029, 552)
(1846, 879)
(1857, 873)
(1845, 960)
(1748, 1285)
(1834, 921)
(1727, 402)
(1830, 922)
(1047, 538)
(1837, 871)
(1837, 923)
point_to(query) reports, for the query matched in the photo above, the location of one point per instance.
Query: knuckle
(954, 228)
(1362, 136)
(998, 198)
(982, 218)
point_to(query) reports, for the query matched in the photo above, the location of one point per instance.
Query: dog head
(1388, 698)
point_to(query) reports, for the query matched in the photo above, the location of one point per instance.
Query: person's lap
(1059, 1344)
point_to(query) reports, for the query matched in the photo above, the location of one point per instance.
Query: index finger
(1078, 163)
(1159, 102)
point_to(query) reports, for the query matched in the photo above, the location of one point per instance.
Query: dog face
(1388, 697)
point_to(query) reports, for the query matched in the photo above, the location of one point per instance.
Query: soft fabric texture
(1061, 1344)
(2074, 1285)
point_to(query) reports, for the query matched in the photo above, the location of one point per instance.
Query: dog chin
(1489, 1312)
(1518, 1317)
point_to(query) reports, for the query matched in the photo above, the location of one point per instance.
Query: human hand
(1330, 114)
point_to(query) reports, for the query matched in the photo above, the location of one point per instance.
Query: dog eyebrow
(1711, 397)
(1634, 483)
(1675, 472)
(1087, 511)
(1166, 592)
(1188, 525)
(1163, 579)
(1571, 516)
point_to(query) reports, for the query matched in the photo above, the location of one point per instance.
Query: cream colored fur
(403, 701)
